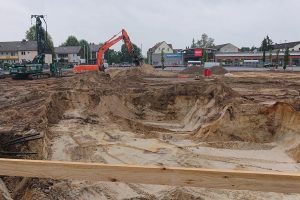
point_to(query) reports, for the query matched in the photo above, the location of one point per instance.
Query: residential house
(171, 57)
(69, 54)
(94, 50)
(20, 51)
(293, 46)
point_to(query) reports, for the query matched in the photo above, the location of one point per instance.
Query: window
(13, 53)
(28, 52)
(23, 53)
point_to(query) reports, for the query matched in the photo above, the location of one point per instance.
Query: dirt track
(141, 116)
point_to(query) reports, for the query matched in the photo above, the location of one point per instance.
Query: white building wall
(26, 55)
(164, 46)
(48, 58)
(30, 55)
(73, 58)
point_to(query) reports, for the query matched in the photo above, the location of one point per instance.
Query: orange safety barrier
(85, 68)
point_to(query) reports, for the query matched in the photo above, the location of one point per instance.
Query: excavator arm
(100, 54)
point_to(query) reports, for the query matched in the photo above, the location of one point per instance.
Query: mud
(148, 117)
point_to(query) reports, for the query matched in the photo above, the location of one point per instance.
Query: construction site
(178, 126)
(147, 117)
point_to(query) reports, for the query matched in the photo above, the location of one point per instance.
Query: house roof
(285, 45)
(94, 47)
(218, 47)
(18, 46)
(67, 50)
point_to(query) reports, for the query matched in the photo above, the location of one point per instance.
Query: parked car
(2, 73)
(268, 65)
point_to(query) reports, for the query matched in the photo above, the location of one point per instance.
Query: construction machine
(100, 54)
(36, 68)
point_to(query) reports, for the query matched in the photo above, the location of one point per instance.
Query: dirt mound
(252, 123)
(216, 70)
(143, 71)
(193, 70)
(88, 80)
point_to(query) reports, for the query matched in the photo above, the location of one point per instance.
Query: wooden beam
(194, 177)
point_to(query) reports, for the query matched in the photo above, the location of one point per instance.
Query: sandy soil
(246, 121)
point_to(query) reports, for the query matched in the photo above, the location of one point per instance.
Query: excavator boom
(100, 54)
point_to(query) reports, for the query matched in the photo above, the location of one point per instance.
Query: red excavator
(104, 48)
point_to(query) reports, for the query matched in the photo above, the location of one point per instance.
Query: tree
(263, 48)
(266, 45)
(125, 56)
(31, 36)
(205, 56)
(86, 49)
(270, 56)
(286, 58)
(162, 59)
(269, 43)
(193, 44)
(205, 41)
(245, 49)
(71, 41)
(112, 56)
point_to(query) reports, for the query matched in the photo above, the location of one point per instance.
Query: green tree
(269, 43)
(193, 44)
(205, 41)
(31, 36)
(126, 57)
(205, 57)
(71, 41)
(112, 56)
(86, 49)
(286, 58)
(162, 59)
(263, 48)
(245, 49)
(266, 45)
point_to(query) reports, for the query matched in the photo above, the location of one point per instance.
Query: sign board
(198, 52)
(174, 55)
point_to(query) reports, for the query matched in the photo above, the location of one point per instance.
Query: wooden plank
(194, 177)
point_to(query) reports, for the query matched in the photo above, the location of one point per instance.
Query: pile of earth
(143, 71)
(216, 70)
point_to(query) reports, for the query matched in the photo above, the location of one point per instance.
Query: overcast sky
(240, 22)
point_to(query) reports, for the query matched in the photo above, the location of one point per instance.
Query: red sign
(198, 52)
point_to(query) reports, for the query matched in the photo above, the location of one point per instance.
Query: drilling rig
(35, 68)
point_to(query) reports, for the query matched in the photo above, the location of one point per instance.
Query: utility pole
(84, 52)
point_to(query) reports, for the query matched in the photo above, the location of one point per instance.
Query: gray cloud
(241, 22)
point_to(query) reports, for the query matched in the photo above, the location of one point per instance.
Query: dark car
(270, 65)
